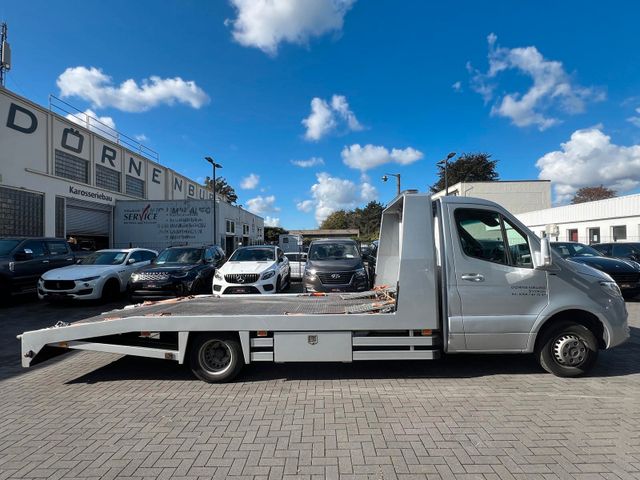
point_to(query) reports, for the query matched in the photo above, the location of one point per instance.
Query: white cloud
(141, 137)
(264, 24)
(371, 156)
(553, 89)
(261, 205)
(305, 206)
(457, 86)
(250, 182)
(311, 162)
(271, 221)
(93, 85)
(104, 126)
(635, 120)
(326, 116)
(330, 194)
(587, 159)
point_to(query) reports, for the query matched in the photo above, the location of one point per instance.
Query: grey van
(334, 265)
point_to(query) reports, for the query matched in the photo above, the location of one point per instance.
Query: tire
(288, 284)
(278, 285)
(567, 350)
(110, 290)
(215, 358)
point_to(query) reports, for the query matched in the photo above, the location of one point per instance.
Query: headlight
(268, 274)
(611, 288)
(179, 274)
(218, 275)
(361, 273)
(89, 279)
(309, 272)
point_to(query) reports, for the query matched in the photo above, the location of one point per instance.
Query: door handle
(472, 277)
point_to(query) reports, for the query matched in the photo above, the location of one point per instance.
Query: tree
(468, 167)
(338, 220)
(271, 234)
(366, 220)
(590, 194)
(222, 188)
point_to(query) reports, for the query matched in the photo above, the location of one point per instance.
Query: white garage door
(88, 218)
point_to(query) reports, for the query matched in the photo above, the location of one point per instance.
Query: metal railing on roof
(97, 126)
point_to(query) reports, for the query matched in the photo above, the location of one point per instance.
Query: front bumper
(79, 291)
(314, 284)
(222, 287)
(158, 290)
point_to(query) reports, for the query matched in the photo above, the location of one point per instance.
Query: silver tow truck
(453, 275)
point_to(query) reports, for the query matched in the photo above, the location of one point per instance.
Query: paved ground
(103, 416)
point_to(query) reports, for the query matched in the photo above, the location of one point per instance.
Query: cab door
(500, 292)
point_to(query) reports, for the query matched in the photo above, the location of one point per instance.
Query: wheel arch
(579, 316)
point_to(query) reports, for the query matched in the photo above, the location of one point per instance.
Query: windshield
(104, 258)
(568, 250)
(179, 255)
(253, 255)
(333, 251)
(7, 245)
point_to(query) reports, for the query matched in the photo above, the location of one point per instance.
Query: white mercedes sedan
(102, 275)
(258, 269)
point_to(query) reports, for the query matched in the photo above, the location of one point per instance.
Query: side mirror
(24, 255)
(131, 261)
(545, 253)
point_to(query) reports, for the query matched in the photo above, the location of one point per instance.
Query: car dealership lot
(92, 415)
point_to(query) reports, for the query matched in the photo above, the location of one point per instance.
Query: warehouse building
(60, 179)
(611, 220)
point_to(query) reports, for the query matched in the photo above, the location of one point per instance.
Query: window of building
(71, 167)
(231, 226)
(619, 232)
(135, 187)
(21, 213)
(107, 178)
(572, 235)
(60, 217)
(245, 229)
(594, 235)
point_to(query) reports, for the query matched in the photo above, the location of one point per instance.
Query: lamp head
(385, 178)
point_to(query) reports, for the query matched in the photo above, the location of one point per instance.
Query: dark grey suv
(334, 266)
(23, 260)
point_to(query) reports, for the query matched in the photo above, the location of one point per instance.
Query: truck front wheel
(215, 358)
(567, 350)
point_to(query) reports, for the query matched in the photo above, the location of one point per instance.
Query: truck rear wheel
(568, 350)
(215, 358)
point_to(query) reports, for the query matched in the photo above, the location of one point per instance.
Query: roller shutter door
(88, 218)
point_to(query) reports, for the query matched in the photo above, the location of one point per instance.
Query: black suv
(24, 260)
(624, 250)
(335, 266)
(176, 272)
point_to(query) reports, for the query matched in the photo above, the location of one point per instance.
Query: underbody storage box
(312, 347)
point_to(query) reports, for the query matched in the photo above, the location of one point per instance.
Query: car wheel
(215, 358)
(288, 283)
(567, 350)
(110, 290)
(278, 285)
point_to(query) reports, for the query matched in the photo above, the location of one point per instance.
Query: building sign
(180, 222)
(81, 192)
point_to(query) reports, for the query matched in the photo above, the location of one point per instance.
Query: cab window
(57, 248)
(489, 236)
(208, 255)
(36, 247)
(137, 256)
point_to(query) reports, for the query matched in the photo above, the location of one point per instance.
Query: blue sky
(550, 89)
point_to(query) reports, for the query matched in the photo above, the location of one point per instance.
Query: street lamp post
(214, 165)
(445, 162)
(386, 176)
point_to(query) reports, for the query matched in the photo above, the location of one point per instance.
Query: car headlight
(309, 272)
(89, 279)
(218, 275)
(268, 274)
(611, 288)
(361, 273)
(179, 274)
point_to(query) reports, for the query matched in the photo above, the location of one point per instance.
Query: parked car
(624, 250)
(102, 275)
(297, 261)
(626, 273)
(335, 265)
(24, 260)
(257, 269)
(176, 272)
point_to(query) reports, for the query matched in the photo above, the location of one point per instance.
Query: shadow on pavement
(621, 361)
